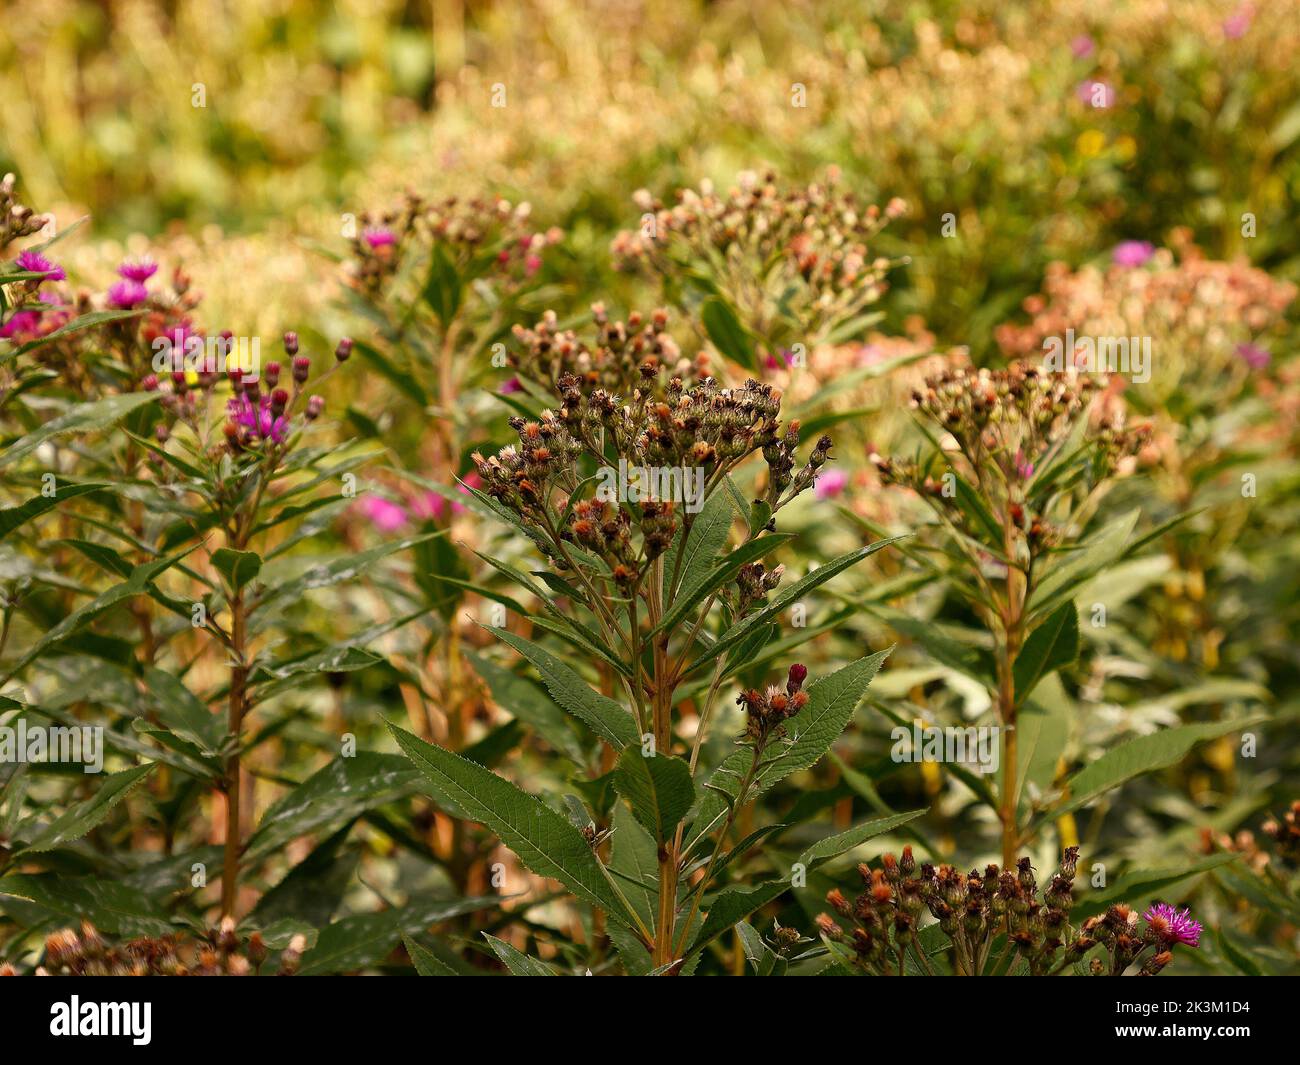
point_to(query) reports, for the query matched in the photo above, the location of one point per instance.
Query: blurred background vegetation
(273, 120)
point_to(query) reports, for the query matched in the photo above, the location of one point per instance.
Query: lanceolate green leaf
(136, 584)
(1055, 643)
(833, 846)
(363, 940)
(831, 703)
(81, 818)
(785, 597)
(607, 718)
(1142, 755)
(330, 797)
(426, 962)
(542, 839)
(733, 905)
(12, 517)
(518, 963)
(527, 702)
(84, 418)
(659, 789)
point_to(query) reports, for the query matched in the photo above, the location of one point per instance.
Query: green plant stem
(234, 722)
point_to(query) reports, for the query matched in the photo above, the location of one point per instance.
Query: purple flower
(380, 238)
(831, 483)
(1173, 926)
(1236, 24)
(1133, 252)
(1024, 469)
(507, 387)
(138, 271)
(1254, 356)
(1081, 47)
(1095, 93)
(36, 263)
(384, 514)
(259, 420)
(124, 295)
(22, 324)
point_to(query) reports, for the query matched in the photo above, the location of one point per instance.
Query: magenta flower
(1081, 47)
(1173, 926)
(259, 420)
(1236, 24)
(1254, 356)
(1095, 94)
(1024, 469)
(126, 295)
(138, 271)
(384, 514)
(380, 238)
(21, 326)
(830, 484)
(36, 263)
(507, 387)
(1133, 253)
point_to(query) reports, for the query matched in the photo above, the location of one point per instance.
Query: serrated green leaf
(607, 718)
(543, 840)
(426, 962)
(84, 816)
(658, 789)
(366, 939)
(831, 703)
(518, 963)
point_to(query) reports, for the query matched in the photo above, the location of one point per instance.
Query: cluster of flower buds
(976, 909)
(260, 415)
(817, 236)
(780, 457)
(17, 220)
(639, 354)
(485, 235)
(222, 951)
(753, 583)
(692, 435)
(1006, 425)
(1286, 834)
(767, 712)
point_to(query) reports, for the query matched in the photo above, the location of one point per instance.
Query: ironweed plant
(176, 483)
(631, 499)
